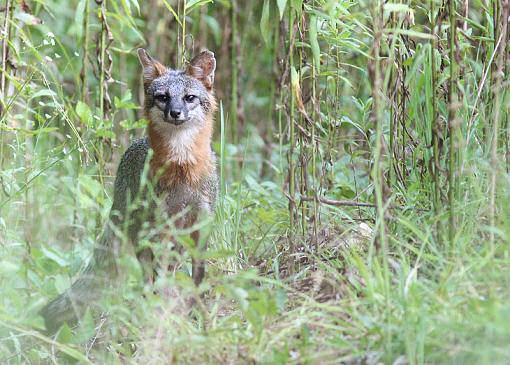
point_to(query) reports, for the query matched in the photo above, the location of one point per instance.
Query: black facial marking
(163, 98)
(205, 104)
(167, 108)
(189, 98)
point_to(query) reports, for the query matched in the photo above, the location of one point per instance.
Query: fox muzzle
(175, 112)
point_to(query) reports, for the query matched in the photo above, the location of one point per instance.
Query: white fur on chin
(180, 139)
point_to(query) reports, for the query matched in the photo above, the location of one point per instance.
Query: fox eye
(189, 98)
(161, 97)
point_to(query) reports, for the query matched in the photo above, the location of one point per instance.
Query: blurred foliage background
(364, 159)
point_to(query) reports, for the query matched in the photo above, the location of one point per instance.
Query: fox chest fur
(178, 188)
(183, 165)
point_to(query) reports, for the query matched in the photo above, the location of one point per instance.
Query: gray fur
(69, 306)
(177, 85)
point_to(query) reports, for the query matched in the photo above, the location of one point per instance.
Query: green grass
(437, 304)
(321, 109)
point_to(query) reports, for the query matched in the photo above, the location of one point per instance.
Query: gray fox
(180, 107)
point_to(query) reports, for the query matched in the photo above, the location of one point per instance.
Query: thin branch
(338, 203)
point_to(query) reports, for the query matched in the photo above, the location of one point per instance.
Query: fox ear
(151, 68)
(202, 67)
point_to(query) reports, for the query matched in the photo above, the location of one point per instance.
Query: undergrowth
(364, 199)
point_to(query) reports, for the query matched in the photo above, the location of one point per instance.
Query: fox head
(179, 99)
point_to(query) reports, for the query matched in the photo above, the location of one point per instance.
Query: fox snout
(175, 114)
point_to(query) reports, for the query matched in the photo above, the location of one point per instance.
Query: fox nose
(175, 114)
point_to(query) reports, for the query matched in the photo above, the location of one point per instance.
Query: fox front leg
(146, 259)
(198, 264)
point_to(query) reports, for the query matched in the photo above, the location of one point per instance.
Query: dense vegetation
(364, 158)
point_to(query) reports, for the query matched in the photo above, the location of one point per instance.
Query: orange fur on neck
(191, 172)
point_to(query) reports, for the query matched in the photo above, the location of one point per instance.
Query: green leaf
(125, 102)
(61, 283)
(409, 33)
(192, 4)
(90, 185)
(314, 43)
(281, 7)
(28, 19)
(43, 130)
(107, 133)
(213, 24)
(172, 10)
(396, 7)
(84, 112)
(64, 335)
(129, 125)
(78, 17)
(91, 192)
(254, 185)
(264, 23)
(137, 6)
(280, 299)
(297, 5)
(43, 92)
(127, 8)
(54, 256)
(294, 77)
(7, 267)
(86, 329)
